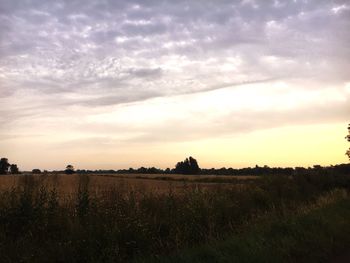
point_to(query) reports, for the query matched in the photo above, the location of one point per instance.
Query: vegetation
(6, 167)
(14, 169)
(36, 171)
(69, 169)
(121, 224)
(254, 171)
(188, 166)
(286, 215)
(312, 237)
(348, 138)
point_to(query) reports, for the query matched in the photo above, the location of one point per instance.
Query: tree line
(348, 138)
(254, 171)
(190, 167)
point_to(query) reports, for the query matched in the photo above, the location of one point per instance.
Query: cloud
(75, 41)
(216, 114)
(69, 61)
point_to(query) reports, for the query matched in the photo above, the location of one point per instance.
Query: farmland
(156, 183)
(133, 217)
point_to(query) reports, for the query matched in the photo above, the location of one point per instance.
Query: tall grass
(317, 236)
(119, 224)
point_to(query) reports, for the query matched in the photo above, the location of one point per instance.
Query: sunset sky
(118, 84)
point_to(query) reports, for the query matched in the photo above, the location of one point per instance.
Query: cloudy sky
(114, 84)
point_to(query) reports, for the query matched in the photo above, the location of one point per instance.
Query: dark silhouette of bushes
(188, 166)
(14, 169)
(4, 166)
(255, 171)
(69, 169)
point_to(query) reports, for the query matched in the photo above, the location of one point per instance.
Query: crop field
(154, 218)
(156, 183)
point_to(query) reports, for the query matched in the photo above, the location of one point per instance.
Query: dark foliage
(4, 166)
(348, 138)
(14, 169)
(69, 169)
(36, 171)
(255, 171)
(188, 166)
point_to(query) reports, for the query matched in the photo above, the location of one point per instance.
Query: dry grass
(177, 176)
(118, 218)
(156, 183)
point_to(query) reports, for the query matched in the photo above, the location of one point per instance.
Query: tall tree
(194, 167)
(4, 165)
(14, 169)
(188, 166)
(348, 138)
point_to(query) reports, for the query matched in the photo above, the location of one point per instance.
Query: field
(156, 183)
(173, 218)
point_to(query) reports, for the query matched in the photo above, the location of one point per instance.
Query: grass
(314, 237)
(121, 224)
(66, 184)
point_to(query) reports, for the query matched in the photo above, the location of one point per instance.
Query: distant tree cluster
(144, 170)
(6, 167)
(141, 170)
(188, 166)
(257, 170)
(36, 171)
(69, 169)
(266, 170)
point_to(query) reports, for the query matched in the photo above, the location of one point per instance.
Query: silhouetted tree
(188, 166)
(348, 138)
(14, 169)
(4, 165)
(194, 167)
(69, 169)
(181, 168)
(36, 171)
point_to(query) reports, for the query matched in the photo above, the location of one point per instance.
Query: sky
(117, 84)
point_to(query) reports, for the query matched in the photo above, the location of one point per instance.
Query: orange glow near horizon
(290, 146)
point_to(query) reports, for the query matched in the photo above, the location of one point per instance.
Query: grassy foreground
(318, 236)
(276, 217)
